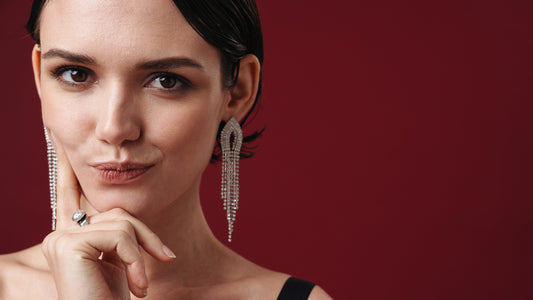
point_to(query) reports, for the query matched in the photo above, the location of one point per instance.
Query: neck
(183, 228)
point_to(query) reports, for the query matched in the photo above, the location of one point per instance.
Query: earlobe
(36, 63)
(243, 94)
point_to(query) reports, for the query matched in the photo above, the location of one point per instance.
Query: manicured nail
(168, 252)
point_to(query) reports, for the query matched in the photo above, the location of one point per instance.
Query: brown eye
(78, 76)
(75, 75)
(167, 82)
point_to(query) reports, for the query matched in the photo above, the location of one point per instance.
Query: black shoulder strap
(296, 289)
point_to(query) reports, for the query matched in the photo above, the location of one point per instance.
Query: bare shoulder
(264, 285)
(261, 283)
(30, 258)
(18, 269)
(319, 294)
(268, 285)
(10, 269)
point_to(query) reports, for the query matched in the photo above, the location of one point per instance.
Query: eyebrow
(169, 63)
(165, 63)
(73, 57)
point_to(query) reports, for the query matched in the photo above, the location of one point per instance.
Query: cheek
(69, 123)
(188, 132)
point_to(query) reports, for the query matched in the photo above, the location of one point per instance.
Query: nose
(118, 119)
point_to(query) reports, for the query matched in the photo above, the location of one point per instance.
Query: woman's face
(134, 95)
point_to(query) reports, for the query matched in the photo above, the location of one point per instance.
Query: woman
(133, 94)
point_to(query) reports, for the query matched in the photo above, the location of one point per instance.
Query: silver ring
(81, 218)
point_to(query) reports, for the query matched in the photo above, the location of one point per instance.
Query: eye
(72, 75)
(75, 75)
(168, 82)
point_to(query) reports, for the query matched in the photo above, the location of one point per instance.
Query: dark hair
(231, 26)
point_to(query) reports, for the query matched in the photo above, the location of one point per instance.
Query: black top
(296, 289)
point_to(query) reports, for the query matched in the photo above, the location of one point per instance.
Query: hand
(101, 260)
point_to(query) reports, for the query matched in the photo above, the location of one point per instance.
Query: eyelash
(184, 83)
(60, 70)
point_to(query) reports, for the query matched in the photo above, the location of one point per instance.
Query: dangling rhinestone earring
(230, 170)
(52, 176)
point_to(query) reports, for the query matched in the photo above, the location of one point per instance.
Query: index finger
(67, 190)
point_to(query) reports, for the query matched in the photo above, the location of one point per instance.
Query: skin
(104, 99)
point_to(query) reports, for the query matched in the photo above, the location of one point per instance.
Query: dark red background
(397, 158)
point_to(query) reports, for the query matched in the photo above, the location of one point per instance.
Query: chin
(135, 203)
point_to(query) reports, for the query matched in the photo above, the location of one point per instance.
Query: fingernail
(168, 252)
(145, 293)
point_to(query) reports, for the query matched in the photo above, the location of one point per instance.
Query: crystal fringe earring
(230, 170)
(52, 176)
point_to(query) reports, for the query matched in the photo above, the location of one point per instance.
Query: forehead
(124, 29)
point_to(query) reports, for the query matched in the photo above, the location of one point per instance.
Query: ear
(36, 63)
(242, 95)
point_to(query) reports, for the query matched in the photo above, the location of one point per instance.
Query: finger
(150, 239)
(134, 274)
(109, 225)
(68, 195)
(133, 285)
(145, 237)
(127, 250)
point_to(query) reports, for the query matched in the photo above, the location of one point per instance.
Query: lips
(120, 173)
